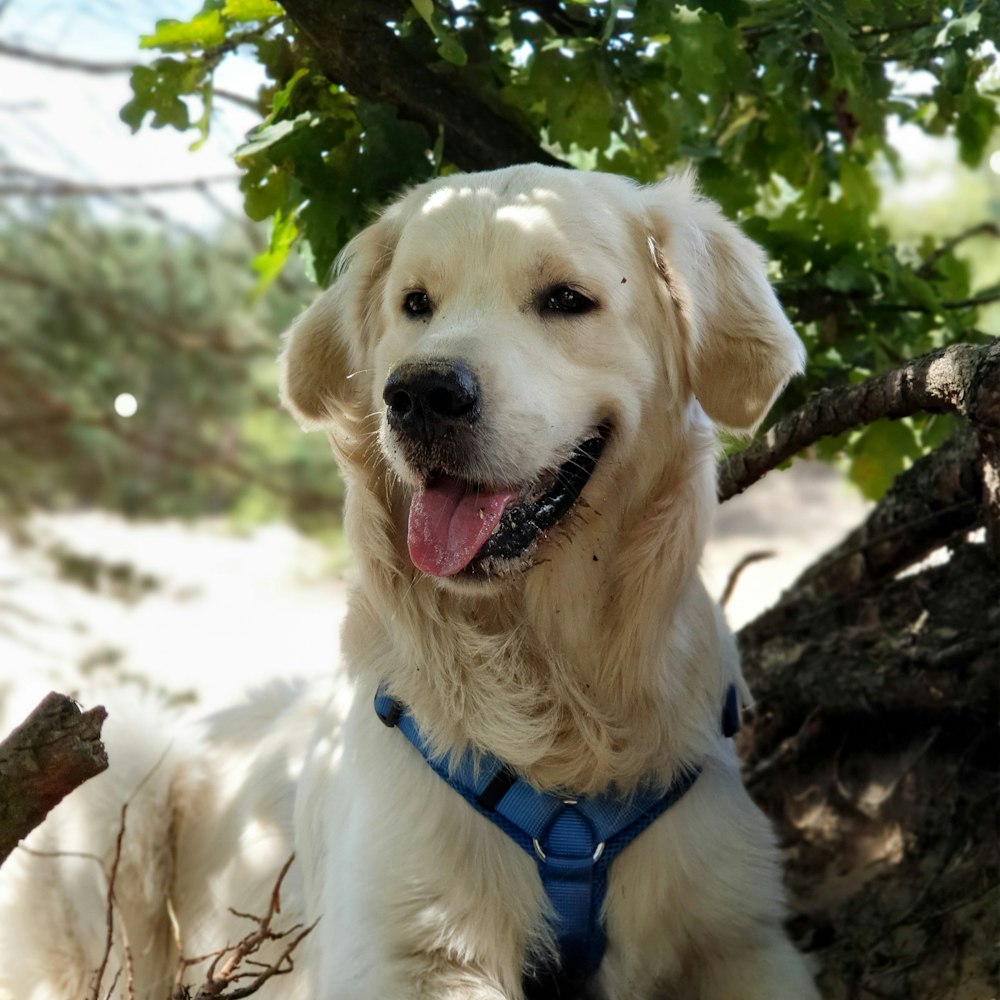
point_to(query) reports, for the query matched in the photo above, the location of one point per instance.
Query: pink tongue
(450, 522)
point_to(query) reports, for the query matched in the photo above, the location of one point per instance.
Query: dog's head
(515, 336)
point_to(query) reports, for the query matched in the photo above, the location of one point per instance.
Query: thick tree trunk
(873, 743)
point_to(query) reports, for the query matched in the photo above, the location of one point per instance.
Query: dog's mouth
(456, 526)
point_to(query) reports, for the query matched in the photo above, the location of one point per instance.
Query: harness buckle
(598, 851)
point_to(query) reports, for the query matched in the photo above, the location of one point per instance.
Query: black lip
(523, 522)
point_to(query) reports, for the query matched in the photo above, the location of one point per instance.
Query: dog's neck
(571, 673)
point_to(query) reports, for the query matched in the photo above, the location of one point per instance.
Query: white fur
(601, 662)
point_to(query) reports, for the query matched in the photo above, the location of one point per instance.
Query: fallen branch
(55, 750)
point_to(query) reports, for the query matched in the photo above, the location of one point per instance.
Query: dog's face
(518, 335)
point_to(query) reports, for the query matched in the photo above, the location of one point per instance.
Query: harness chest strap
(572, 840)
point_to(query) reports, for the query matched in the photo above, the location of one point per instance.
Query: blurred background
(160, 519)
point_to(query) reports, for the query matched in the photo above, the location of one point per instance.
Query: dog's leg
(768, 968)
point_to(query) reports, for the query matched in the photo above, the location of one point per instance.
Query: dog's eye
(417, 303)
(563, 299)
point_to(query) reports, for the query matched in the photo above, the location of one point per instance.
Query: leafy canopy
(785, 107)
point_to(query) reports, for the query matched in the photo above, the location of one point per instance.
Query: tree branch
(56, 749)
(95, 68)
(356, 49)
(961, 379)
(64, 62)
(926, 269)
(935, 500)
(73, 189)
(984, 298)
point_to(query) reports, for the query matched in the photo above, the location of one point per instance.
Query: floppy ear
(740, 349)
(323, 363)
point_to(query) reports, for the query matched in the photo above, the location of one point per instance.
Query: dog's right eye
(417, 303)
(564, 299)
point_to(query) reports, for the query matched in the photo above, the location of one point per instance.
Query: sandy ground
(222, 612)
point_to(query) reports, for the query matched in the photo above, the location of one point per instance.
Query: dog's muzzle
(457, 523)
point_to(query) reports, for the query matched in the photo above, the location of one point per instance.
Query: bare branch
(74, 189)
(926, 269)
(220, 982)
(748, 560)
(97, 68)
(984, 298)
(92, 67)
(109, 910)
(961, 379)
(56, 749)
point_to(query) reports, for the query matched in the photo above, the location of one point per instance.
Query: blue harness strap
(573, 840)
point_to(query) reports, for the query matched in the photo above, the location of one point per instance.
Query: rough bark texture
(873, 743)
(354, 48)
(962, 379)
(56, 749)
(936, 499)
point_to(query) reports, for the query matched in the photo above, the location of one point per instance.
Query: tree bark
(872, 743)
(962, 379)
(56, 749)
(937, 499)
(356, 49)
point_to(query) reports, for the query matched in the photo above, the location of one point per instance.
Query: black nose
(425, 394)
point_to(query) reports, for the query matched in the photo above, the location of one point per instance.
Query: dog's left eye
(563, 299)
(417, 303)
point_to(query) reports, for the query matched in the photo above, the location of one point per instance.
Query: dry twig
(235, 959)
(748, 560)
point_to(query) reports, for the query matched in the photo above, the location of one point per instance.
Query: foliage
(92, 310)
(784, 108)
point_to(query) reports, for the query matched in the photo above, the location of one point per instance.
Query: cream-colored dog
(519, 372)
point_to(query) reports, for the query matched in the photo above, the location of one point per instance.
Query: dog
(521, 782)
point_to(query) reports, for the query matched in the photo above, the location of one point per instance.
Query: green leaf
(204, 31)
(449, 47)
(577, 101)
(425, 8)
(265, 136)
(879, 453)
(269, 264)
(251, 10)
(451, 51)
(729, 10)
(852, 273)
(157, 91)
(282, 97)
(977, 119)
(266, 190)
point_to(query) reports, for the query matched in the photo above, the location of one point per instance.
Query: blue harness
(573, 840)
